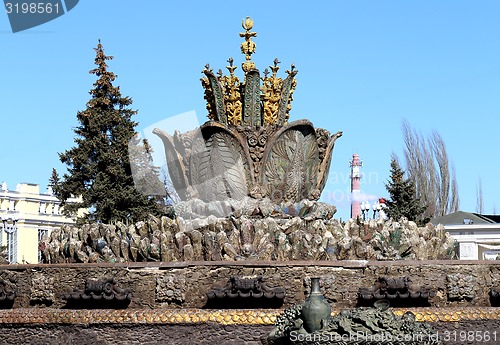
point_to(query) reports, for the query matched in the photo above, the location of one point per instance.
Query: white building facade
(476, 241)
(27, 216)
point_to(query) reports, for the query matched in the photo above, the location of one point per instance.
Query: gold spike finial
(231, 68)
(248, 47)
(268, 98)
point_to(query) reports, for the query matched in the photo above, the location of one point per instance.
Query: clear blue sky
(363, 67)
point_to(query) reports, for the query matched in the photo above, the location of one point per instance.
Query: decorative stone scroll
(242, 292)
(398, 291)
(102, 293)
(253, 287)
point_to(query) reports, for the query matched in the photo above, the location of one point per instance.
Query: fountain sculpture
(248, 233)
(249, 183)
(248, 149)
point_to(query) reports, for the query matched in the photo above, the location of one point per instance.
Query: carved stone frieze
(170, 288)
(42, 289)
(460, 287)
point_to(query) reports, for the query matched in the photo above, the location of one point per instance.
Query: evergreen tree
(54, 179)
(98, 166)
(403, 201)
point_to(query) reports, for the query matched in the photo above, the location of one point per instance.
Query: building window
(11, 231)
(41, 234)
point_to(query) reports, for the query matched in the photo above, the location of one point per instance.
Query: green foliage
(98, 166)
(54, 179)
(402, 197)
(395, 238)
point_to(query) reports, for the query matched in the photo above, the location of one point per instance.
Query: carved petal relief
(218, 168)
(291, 165)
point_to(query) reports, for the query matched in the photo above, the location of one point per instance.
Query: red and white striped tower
(355, 164)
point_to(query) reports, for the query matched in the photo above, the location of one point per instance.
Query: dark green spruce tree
(98, 165)
(402, 197)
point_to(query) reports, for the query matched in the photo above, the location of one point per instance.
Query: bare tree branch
(428, 165)
(479, 197)
(455, 200)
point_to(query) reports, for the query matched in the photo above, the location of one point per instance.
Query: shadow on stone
(96, 304)
(41, 303)
(6, 304)
(244, 303)
(396, 303)
(495, 297)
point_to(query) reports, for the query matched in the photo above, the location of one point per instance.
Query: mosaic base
(223, 317)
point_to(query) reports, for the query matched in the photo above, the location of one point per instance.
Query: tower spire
(355, 164)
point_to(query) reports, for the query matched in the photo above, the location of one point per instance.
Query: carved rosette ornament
(248, 148)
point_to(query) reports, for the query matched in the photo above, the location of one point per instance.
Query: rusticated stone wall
(134, 334)
(185, 284)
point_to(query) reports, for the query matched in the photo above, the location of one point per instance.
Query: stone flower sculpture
(248, 148)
